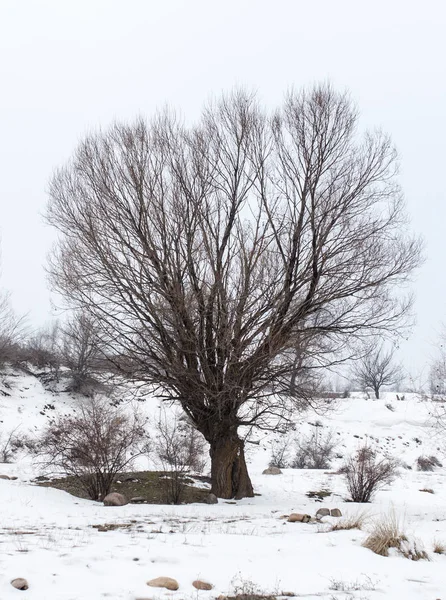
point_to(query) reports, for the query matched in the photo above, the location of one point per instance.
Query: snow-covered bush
(366, 473)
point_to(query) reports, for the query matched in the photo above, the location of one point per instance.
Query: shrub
(428, 463)
(366, 474)
(280, 450)
(8, 446)
(315, 451)
(93, 445)
(387, 534)
(179, 448)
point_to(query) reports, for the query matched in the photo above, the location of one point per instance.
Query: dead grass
(150, 485)
(350, 522)
(439, 547)
(387, 534)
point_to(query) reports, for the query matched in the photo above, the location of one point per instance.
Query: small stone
(20, 584)
(322, 512)
(4, 477)
(211, 499)
(164, 582)
(202, 585)
(138, 500)
(272, 471)
(298, 518)
(335, 512)
(115, 499)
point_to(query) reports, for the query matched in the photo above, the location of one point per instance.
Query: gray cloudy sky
(69, 66)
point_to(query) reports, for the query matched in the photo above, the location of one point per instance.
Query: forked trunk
(229, 473)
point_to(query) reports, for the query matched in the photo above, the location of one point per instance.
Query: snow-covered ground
(51, 538)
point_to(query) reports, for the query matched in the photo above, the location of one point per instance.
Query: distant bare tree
(437, 370)
(81, 350)
(208, 253)
(43, 348)
(376, 368)
(12, 330)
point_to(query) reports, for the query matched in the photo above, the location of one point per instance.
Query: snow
(51, 538)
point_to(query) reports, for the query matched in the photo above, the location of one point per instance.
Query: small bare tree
(179, 448)
(93, 445)
(376, 368)
(208, 253)
(365, 473)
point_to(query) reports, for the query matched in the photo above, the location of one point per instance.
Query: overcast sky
(69, 66)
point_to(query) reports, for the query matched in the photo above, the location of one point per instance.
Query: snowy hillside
(52, 539)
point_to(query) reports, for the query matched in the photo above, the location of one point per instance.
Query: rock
(138, 500)
(272, 471)
(115, 499)
(164, 582)
(13, 478)
(202, 585)
(323, 512)
(20, 584)
(335, 512)
(298, 518)
(211, 499)
(4, 477)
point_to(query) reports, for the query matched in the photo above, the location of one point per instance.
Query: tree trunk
(376, 390)
(229, 473)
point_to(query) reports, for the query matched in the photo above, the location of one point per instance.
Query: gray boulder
(115, 499)
(323, 512)
(211, 499)
(20, 584)
(272, 471)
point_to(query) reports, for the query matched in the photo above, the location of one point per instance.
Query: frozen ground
(50, 538)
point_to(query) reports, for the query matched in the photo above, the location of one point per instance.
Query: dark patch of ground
(150, 485)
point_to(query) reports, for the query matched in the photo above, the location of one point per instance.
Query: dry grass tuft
(439, 547)
(387, 534)
(350, 522)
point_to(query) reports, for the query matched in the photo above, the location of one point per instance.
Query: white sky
(68, 66)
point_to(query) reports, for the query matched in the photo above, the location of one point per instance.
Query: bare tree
(81, 351)
(376, 368)
(207, 253)
(43, 348)
(12, 330)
